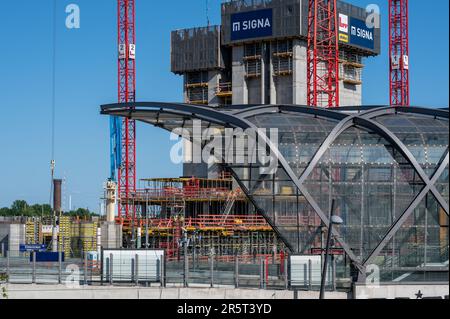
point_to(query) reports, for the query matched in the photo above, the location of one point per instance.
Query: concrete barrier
(403, 291)
(107, 292)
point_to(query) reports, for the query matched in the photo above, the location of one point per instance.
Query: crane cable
(53, 111)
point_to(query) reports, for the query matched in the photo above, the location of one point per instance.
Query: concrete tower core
(258, 54)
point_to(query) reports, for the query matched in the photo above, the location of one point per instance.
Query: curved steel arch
(238, 118)
(364, 121)
(395, 141)
(130, 108)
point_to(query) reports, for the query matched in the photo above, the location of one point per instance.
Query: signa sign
(355, 32)
(252, 24)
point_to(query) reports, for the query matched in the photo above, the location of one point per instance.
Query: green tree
(19, 207)
(5, 212)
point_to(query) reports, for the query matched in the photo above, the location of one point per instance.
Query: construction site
(296, 66)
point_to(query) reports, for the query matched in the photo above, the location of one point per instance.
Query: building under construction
(212, 215)
(258, 55)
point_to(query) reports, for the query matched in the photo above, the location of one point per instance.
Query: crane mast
(322, 54)
(399, 52)
(127, 93)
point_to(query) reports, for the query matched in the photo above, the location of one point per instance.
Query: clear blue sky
(87, 77)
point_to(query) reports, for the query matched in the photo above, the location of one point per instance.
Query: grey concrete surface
(195, 293)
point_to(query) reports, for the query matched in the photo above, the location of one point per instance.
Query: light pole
(334, 220)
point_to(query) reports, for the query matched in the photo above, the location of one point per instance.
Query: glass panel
(442, 185)
(372, 185)
(300, 135)
(426, 137)
(419, 249)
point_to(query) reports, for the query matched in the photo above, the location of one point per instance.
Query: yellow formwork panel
(88, 236)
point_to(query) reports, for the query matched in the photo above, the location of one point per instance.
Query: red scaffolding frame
(323, 54)
(399, 52)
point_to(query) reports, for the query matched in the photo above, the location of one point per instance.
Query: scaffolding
(350, 67)
(282, 57)
(253, 60)
(197, 87)
(210, 213)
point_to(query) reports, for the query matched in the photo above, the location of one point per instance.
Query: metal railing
(263, 273)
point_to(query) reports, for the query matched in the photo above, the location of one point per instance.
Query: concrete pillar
(139, 238)
(263, 73)
(111, 236)
(240, 90)
(111, 196)
(272, 83)
(54, 239)
(213, 83)
(299, 76)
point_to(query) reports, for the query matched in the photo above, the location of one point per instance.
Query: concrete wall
(12, 235)
(393, 291)
(254, 90)
(283, 90)
(349, 94)
(270, 89)
(111, 235)
(299, 74)
(106, 292)
(240, 91)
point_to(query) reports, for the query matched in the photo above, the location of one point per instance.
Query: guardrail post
(111, 281)
(261, 273)
(236, 272)
(85, 269)
(186, 266)
(310, 274)
(163, 271)
(136, 272)
(33, 276)
(211, 268)
(333, 264)
(8, 269)
(59, 267)
(286, 274)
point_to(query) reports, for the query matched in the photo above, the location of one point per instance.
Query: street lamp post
(334, 220)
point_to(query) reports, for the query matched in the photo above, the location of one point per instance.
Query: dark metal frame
(353, 116)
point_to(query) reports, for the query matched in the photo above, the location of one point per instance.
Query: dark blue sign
(252, 24)
(29, 248)
(361, 35)
(46, 257)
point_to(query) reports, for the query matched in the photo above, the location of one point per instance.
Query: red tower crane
(127, 93)
(399, 52)
(323, 54)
